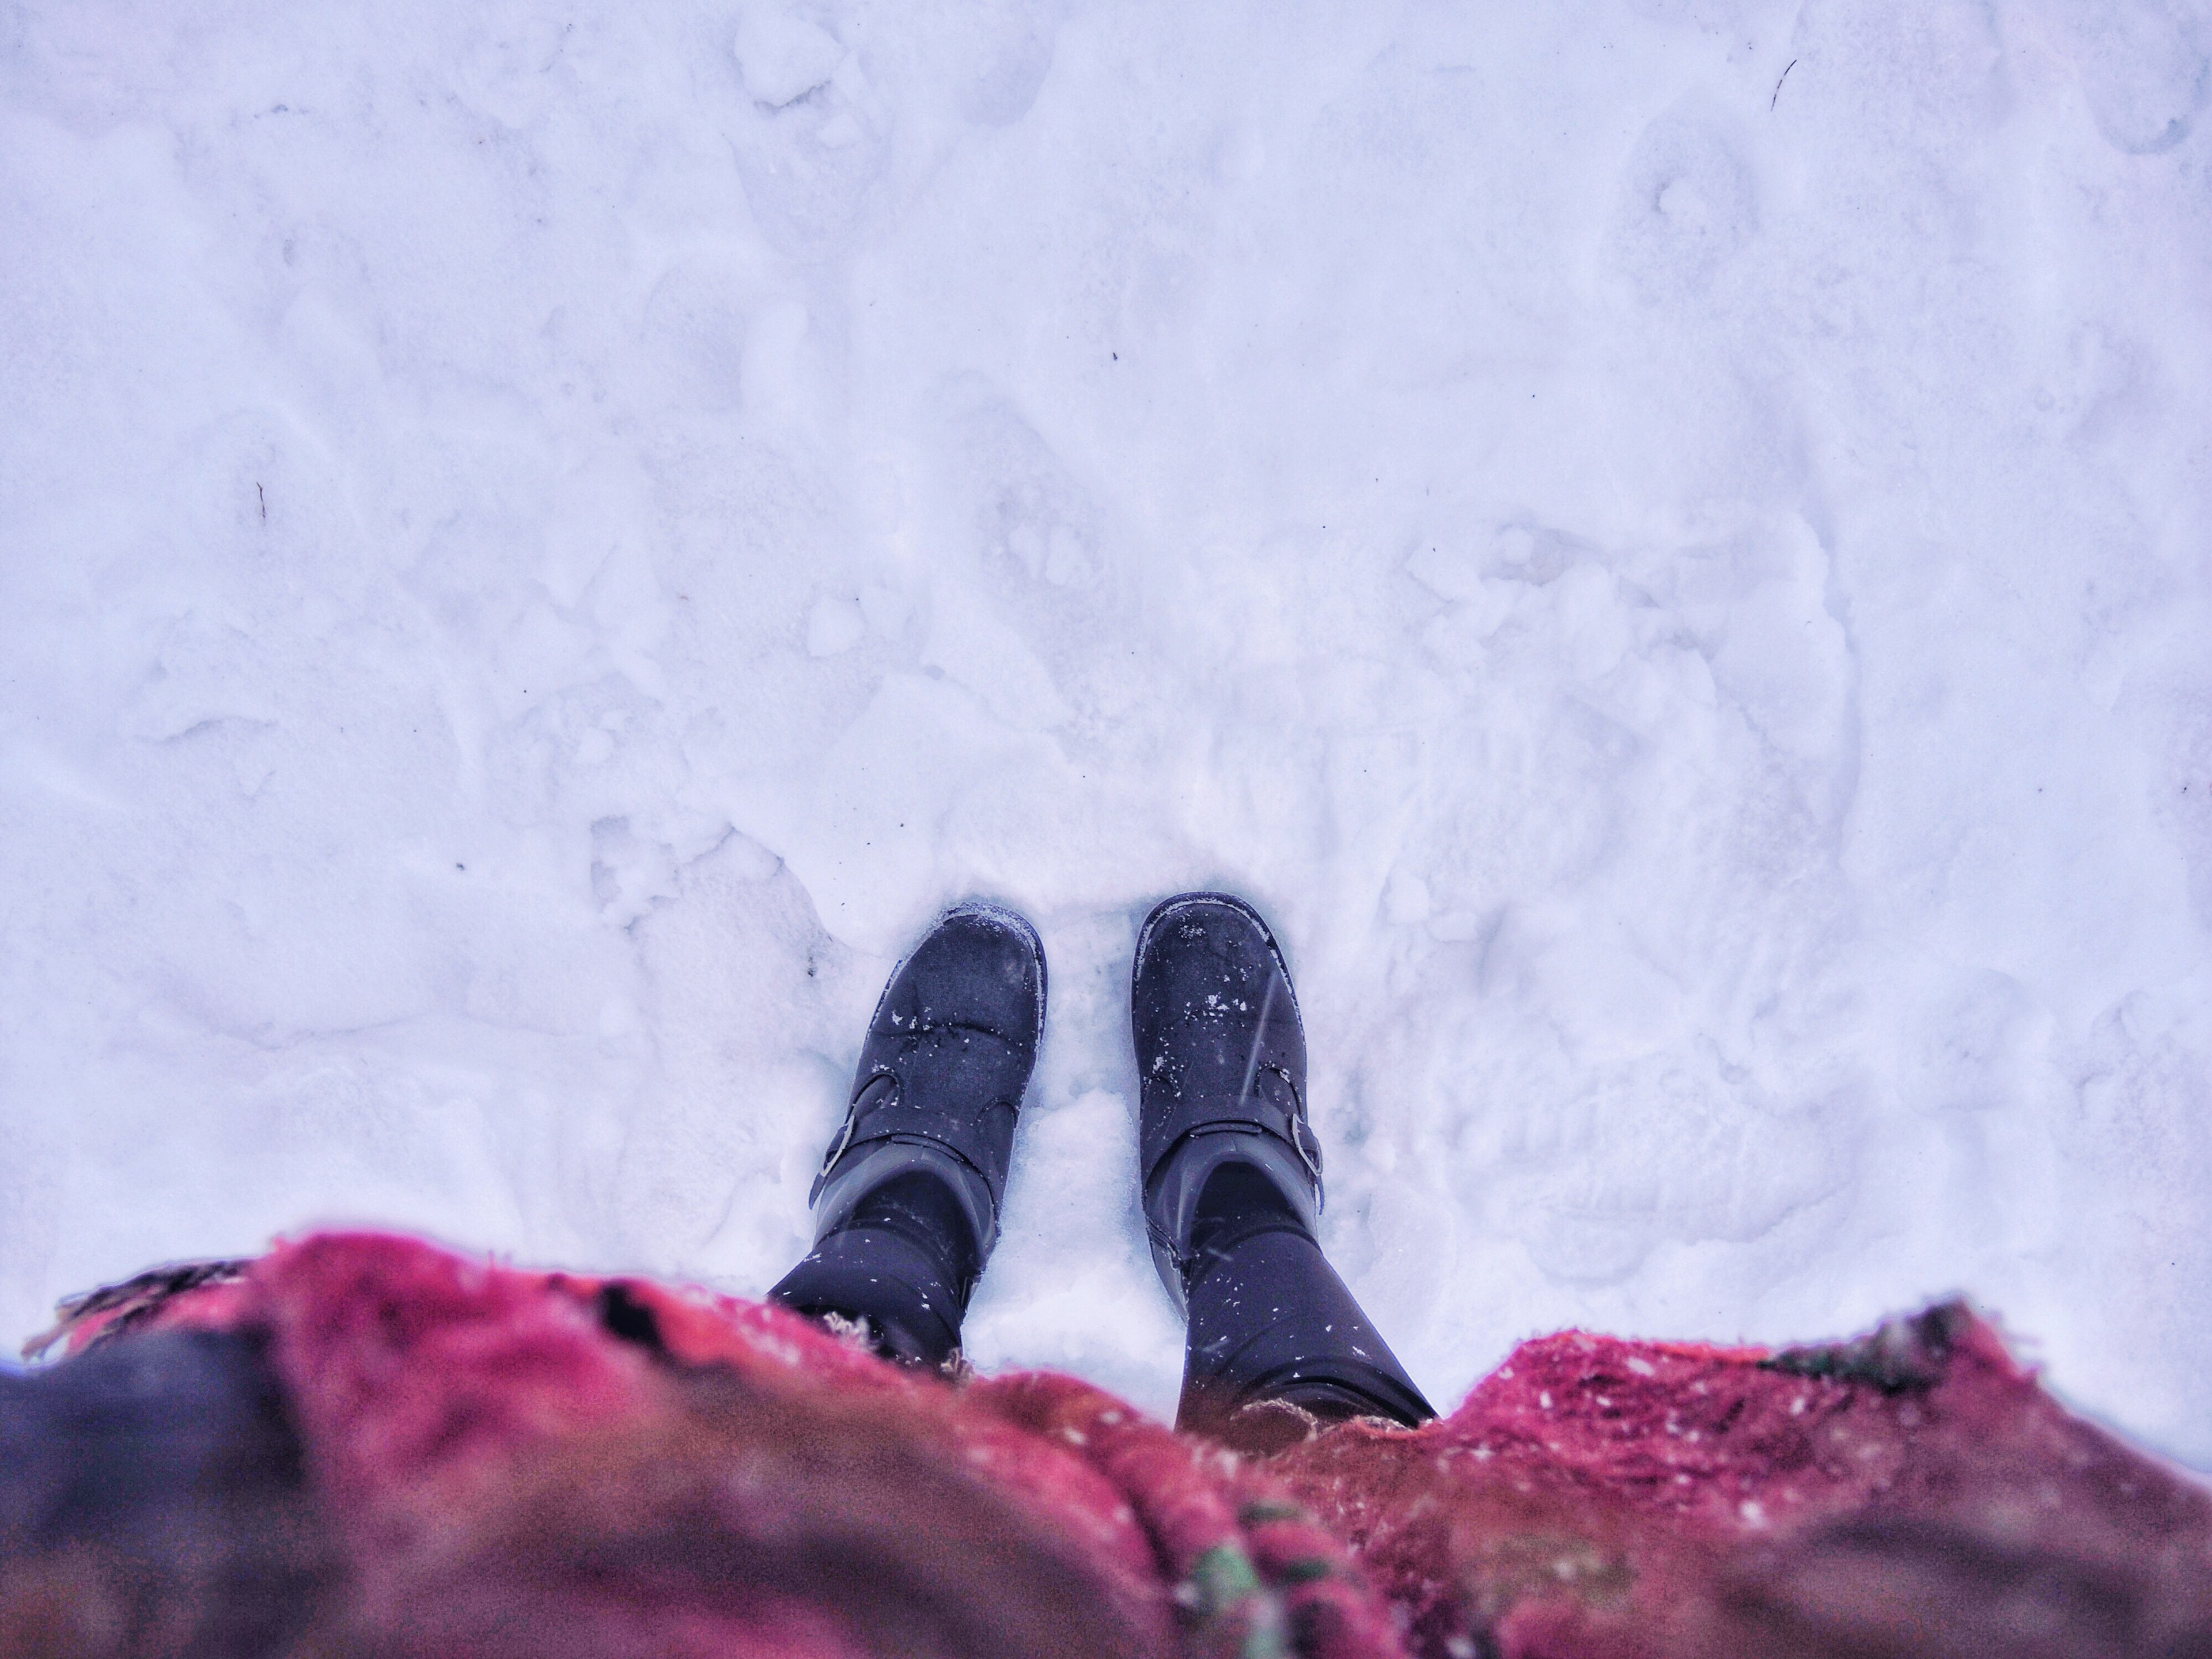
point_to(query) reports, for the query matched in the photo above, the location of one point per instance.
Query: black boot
(907, 1204)
(1232, 1178)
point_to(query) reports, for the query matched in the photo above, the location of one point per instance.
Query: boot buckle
(829, 1158)
(1308, 1147)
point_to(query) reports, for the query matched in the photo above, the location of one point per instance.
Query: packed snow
(1668, 546)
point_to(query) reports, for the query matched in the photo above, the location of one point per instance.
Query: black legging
(904, 1264)
(1269, 1318)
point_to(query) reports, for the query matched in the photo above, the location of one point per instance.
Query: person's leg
(1270, 1319)
(907, 1204)
(902, 1264)
(1232, 1179)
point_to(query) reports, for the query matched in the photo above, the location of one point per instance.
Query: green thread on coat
(1222, 1577)
(1223, 1585)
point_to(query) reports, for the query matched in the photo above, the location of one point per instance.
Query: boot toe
(1205, 962)
(982, 968)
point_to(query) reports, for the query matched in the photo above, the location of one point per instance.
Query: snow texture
(1666, 544)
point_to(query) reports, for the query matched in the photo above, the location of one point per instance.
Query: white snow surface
(1666, 545)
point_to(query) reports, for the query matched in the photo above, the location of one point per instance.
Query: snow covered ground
(1668, 545)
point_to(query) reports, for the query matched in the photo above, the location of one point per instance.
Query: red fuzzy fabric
(548, 1464)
